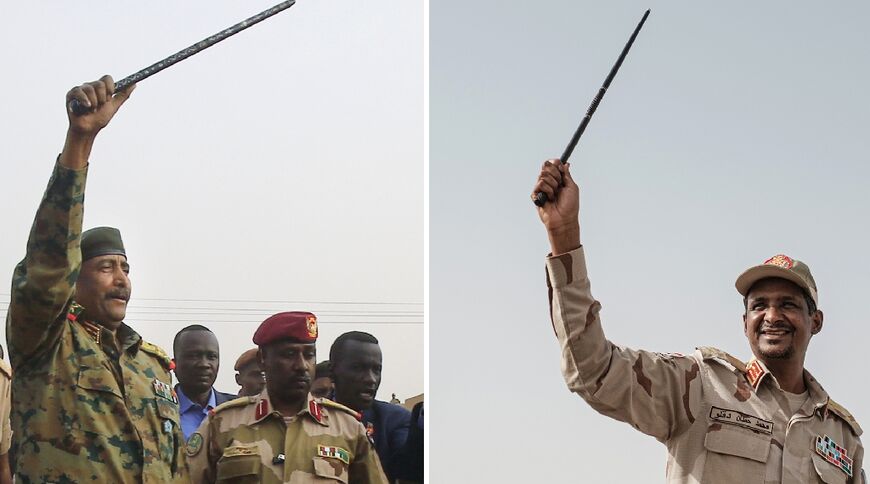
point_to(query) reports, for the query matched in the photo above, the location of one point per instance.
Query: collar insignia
(315, 411)
(834, 454)
(754, 372)
(262, 409)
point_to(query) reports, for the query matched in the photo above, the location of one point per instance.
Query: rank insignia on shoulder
(834, 454)
(332, 452)
(315, 411)
(167, 426)
(157, 351)
(163, 390)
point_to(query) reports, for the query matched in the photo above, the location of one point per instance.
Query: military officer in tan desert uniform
(284, 434)
(724, 421)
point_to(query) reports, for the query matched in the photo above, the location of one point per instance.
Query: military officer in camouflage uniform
(92, 401)
(723, 420)
(284, 434)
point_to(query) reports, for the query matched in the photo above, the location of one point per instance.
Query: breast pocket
(328, 468)
(98, 392)
(738, 453)
(239, 465)
(828, 472)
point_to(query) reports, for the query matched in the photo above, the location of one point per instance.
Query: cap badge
(312, 326)
(780, 260)
(834, 454)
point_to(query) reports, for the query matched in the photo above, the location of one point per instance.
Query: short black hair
(187, 329)
(322, 369)
(336, 350)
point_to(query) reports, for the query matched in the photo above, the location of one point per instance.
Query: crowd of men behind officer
(92, 401)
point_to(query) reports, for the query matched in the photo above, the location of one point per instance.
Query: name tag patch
(834, 454)
(742, 419)
(334, 453)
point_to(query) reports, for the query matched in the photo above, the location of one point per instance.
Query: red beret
(297, 325)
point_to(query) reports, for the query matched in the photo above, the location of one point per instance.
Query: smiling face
(103, 289)
(357, 374)
(778, 322)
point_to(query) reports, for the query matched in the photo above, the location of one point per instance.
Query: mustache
(774, 327)
(120, 294)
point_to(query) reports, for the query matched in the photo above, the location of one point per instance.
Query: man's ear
(818, 321)
(745, 327)
(237, 380)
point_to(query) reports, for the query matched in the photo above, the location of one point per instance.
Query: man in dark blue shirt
(197, 360)
(356, 362)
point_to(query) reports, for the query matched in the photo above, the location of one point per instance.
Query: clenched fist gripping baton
(77, 108)
(541, 198)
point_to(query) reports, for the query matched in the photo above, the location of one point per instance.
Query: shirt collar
(185, 403)
(313, 409)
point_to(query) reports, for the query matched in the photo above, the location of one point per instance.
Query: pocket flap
(330, 468)
(827, 471)
(98, 379)
(239, 461)
(738, 442)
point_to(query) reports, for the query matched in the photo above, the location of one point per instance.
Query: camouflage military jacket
(246, 440)
(82, 411)
(723, 421)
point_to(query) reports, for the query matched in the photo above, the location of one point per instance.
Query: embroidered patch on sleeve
(194, 444)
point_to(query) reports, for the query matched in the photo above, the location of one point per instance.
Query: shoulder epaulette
(157, 351)
(237, 402)
(5, 368)
(844, 414)
(331, 404)
(708, 352)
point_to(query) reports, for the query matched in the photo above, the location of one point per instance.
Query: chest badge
(163, 390)
(834, 454)
(334, 453)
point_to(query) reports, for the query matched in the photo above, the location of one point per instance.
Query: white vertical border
(427, 398)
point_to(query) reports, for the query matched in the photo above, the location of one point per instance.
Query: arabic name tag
(745, 420)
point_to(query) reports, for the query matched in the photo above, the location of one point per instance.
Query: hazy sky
(733, 132)
(281, 169)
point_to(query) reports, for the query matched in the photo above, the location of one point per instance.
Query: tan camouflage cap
(781, 266)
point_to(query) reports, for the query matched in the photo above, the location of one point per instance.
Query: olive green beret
(102, 241)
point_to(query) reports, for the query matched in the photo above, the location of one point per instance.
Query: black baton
(78, 109)
(540, 197)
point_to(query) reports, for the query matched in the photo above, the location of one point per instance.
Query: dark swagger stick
(540, 197)
(79, 109)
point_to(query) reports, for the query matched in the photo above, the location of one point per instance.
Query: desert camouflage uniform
(82, 411)
(241, 442)
(723, 421)
(5, 406)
